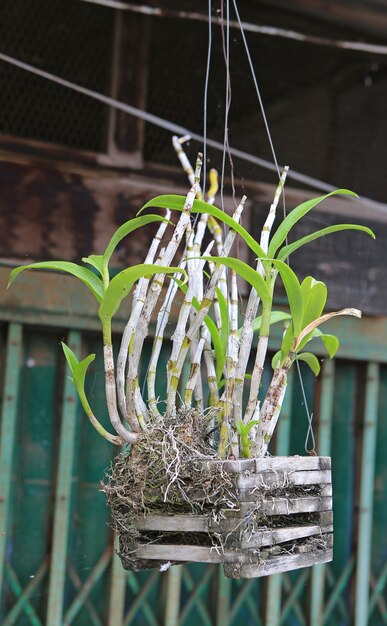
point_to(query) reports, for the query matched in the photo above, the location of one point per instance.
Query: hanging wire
(205, 104)
(226, 51)
(309, 415)
(257, 89)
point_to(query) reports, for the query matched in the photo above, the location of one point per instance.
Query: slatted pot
(282, 521)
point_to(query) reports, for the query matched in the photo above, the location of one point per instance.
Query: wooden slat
(177, 552)
(278, 480)
(203, 554)
(278, 564)
(283, 506)
(289, 463)
(235, 524)
(174, 523)
(294, 463)
(281, 535)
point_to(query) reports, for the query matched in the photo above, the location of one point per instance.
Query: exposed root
(166, 473)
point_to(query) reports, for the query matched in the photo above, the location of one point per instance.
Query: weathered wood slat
(278, 564)
(272, 479)
(293, 463)
(176, 552)
(234, 524)
(202, 554)
(283, 506)
(281, 535)
(174, 523)
(278, 463)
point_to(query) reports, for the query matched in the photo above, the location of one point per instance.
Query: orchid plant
(207, 339)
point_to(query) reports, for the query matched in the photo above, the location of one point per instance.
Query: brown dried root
(167, 472)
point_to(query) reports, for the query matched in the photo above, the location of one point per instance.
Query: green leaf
(125, 229)
(122, 283)
(71, 359)
(78, 368)
(224, 318)
(199, 206)
(292, 218)
(293, 292)
(314, 293)
(275, 317)
(246, 272)
(311, 360)
(220, 353)
(292, 247)
(330, 342)
(96, 261)
(250, 425)
(85, 275)
(80, 372)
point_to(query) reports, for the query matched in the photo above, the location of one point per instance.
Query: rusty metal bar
(8, 434)
(324, 448)
(366, 496)
(63, 495)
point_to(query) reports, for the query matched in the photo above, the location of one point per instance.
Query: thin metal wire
(227, 97)
(309, 415)
(257, 88)
(205, 104)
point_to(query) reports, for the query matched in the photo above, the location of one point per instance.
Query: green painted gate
(58, 565)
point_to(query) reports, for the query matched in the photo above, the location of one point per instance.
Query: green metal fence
(58, 565)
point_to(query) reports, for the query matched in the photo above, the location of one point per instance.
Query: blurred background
(72, 169)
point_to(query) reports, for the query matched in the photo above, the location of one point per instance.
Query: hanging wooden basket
(280, 519)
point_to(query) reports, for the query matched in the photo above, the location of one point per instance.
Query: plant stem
(137, 306)
(247, 334)
(177, 365)
(156, 286)
(162, 320)
(118, 441)
(110, 388)
(259, 358)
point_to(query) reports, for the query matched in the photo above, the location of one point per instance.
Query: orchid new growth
(209, 350)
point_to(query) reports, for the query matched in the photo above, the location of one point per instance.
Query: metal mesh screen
(324, 105)
(66, 37)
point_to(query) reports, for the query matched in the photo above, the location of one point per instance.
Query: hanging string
(205, 104)
(257, 89)
(309, 415)
(226, 53)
